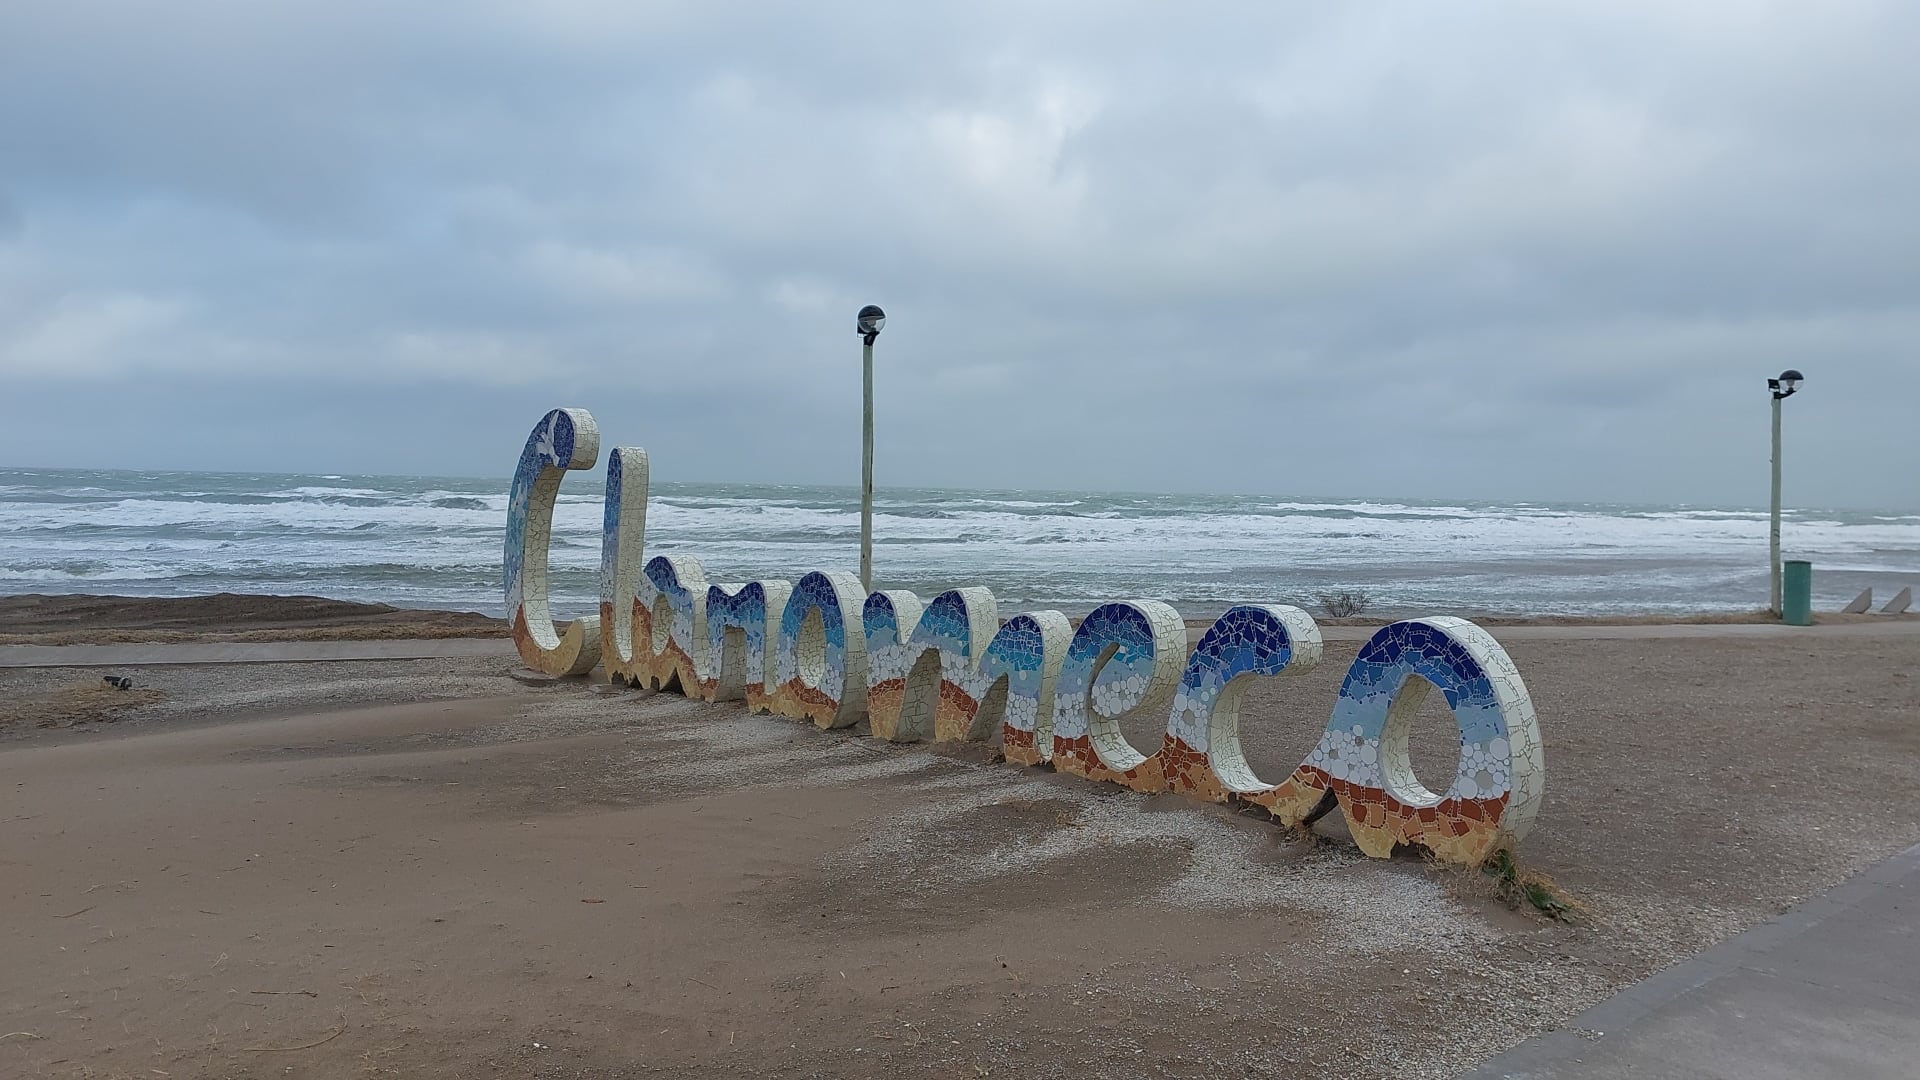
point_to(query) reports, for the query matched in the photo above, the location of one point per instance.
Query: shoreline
(89, 619)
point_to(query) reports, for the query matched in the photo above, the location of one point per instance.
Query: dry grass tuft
(1502, 878)
(1520, 887)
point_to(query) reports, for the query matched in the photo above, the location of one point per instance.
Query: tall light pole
(1783, 388)
(871, 319)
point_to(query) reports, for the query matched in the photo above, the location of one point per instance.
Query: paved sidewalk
(248, 652)
(1829, 989)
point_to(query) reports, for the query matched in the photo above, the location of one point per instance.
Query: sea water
(436, 542)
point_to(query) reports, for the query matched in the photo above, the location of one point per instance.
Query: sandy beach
(426, 868)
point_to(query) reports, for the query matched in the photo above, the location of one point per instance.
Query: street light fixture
(1783, 388)
(868, 324)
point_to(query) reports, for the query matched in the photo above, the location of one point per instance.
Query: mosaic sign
(823, 650)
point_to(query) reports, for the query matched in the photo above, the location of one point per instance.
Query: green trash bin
(1796, 592)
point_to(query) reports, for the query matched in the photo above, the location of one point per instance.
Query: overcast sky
(1460, 250)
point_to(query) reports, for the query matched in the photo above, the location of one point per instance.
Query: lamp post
(1783, 388)
(870, 320)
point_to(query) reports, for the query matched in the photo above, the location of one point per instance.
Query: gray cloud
(1457, 251)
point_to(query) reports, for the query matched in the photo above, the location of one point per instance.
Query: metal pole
(866, 471)
(1773, 533)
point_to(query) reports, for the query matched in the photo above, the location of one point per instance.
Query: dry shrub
(1344, 604)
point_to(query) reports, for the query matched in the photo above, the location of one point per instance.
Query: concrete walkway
(247, 652)
(1829, 989)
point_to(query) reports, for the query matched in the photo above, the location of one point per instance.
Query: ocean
(436, 542)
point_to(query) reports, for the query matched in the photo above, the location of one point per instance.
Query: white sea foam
(438, 542)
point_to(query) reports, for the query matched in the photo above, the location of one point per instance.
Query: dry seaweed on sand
(81, 703)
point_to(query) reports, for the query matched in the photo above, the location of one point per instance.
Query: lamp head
(871, 319)
(1788, 382)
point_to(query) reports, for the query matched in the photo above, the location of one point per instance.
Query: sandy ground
(425, 869)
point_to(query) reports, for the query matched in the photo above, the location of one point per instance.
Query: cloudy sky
(1523, 250)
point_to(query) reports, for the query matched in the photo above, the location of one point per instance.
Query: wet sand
(426, 869)
(81, 619)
